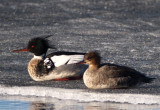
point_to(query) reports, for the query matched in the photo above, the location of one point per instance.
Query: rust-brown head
(92, 58)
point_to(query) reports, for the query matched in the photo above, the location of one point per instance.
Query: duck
(57, 66)
(112, 76)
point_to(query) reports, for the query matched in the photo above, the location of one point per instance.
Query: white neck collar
(40, 57)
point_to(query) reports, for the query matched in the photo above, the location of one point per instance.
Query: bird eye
(89, 58)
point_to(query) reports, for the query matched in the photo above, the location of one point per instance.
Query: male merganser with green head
(55, 66)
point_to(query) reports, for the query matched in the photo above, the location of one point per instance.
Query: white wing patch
(66, 59)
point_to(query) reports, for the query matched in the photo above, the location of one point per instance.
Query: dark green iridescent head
(38, 46)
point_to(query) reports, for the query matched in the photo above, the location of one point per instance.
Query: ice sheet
(124, 32)
(80, 95)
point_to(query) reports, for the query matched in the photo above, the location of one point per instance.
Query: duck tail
(148, 80)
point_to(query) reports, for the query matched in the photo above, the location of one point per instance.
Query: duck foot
(70, 78)
(64, 79)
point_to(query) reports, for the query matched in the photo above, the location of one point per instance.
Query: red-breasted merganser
(57, 66)
(101, 76)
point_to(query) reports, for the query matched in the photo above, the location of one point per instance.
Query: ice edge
(80, 95)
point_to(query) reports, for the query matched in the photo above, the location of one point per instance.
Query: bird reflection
(41, 106)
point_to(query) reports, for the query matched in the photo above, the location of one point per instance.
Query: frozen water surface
(125, 32)
(42, 103)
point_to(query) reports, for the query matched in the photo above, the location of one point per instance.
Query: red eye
(32, 46)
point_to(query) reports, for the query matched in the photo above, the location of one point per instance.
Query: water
(41, 103)
(13, 103)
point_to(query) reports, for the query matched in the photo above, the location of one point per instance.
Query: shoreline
(80, 95)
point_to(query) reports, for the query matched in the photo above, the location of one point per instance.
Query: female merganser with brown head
(101, 76)
(58, 65)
